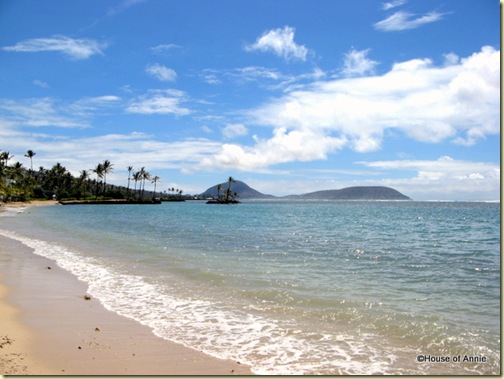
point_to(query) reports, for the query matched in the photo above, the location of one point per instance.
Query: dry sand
(47, 327)
(35, 203)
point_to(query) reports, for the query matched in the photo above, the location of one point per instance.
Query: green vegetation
(229, 197)
(18, 183)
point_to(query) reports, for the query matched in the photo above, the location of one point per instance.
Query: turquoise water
(293, 287)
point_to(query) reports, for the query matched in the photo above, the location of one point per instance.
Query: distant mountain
(351, 193)
(242, 189)
(355, 193)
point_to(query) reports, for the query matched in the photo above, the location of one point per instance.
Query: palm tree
(5, 157)
(144, 175)
(228, 191)
(83, 179)
(98, 170)
(107, 169)
(137, 176)
(57, 178)
(154, 180)
(130, 168)
(30, 154)
(219, 188)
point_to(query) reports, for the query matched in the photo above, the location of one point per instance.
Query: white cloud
(393, 4)
(430, 104)
(269, 78)
(160, 102)
(459, 102)
(49, 112)
(40, 112)
(136, 149)
(242, 74)
(444, 178)
(73, 48)
(234, 130)
(124, 5)
(163, 48)
(88, 106)
(40, 83)
(357, 63)
(161, 73)
(284, 146)
(404, 20)
(280, 42)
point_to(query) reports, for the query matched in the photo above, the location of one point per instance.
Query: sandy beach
(33, 203)
(49, 326)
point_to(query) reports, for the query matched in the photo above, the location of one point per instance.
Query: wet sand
(49, 327)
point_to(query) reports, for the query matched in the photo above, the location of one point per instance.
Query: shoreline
(47, 327)
(27, 204)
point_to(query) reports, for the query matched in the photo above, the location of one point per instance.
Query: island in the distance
(244, 191)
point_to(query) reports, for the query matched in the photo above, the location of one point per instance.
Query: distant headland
(243, 191)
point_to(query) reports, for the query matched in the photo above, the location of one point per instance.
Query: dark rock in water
(223, 202)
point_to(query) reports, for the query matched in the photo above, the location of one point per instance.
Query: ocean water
(290, 287)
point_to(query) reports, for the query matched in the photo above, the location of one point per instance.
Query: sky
(289, 96)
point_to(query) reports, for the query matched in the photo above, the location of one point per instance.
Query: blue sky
(290, 96)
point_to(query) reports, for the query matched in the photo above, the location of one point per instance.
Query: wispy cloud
(136, 148)
(161, 72)
(393, 4)
(72, 48)
(160, 102)
(234, 130)
(280, 42)
(164, 48)
(243, 74)
(269, 78)
(122, 6)
(49, 112)
(39, 113)
(405, 20)
(90, 106)
(357, 63)
(40, 83)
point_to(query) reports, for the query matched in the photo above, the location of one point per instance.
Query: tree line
(18, 183)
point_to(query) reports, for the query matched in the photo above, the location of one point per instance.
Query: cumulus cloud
(280, 42)
(161, 72)
(457, 102)
(427, 103)
(284, 146)
(160, 102)
(402, 20)
(73, 48)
